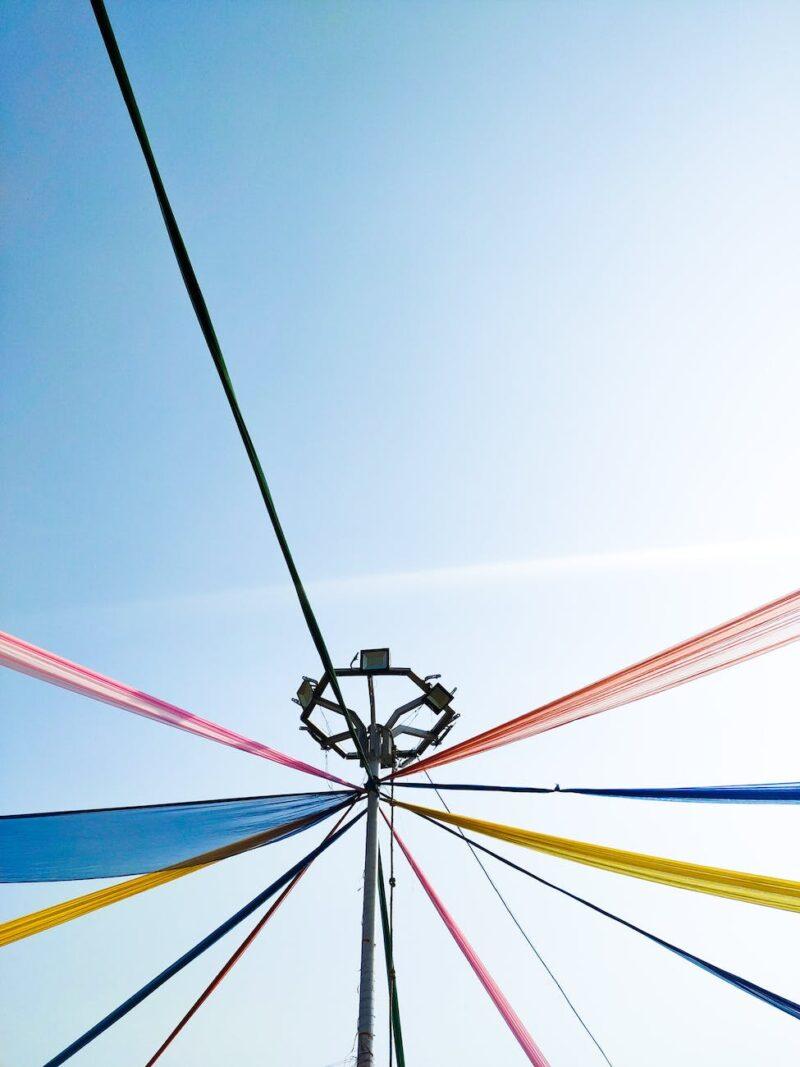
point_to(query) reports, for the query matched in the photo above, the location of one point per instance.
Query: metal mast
(366, 989)
(375, 747)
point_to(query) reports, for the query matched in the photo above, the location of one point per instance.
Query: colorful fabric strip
(775, 1000)
(198, 302)
(197, 950)
(46, 918)
(470, 788)
(766, 628)
(736, 885)
(20, 656)
(236, 956)
(114, 842)
(769, 793)
(391, 977)
(513, 1021)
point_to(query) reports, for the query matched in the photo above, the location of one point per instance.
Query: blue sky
(509, 294)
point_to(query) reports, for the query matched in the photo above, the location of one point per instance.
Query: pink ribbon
(761, 630)
(515, 1024)
(28, 659)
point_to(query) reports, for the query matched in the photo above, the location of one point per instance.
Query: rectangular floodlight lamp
(305, 692)
(374, 659)
(439, 697)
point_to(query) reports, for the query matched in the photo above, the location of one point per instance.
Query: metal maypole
(366, 992)
(376, 748)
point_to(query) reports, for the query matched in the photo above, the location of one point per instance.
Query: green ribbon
(397, 1030)
(207, 327)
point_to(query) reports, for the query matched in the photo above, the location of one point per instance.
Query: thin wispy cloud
(542, 568)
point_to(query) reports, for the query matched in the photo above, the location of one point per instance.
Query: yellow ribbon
(738, 885)
(36, 921)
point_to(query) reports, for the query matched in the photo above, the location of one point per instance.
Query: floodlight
(305, 692)
(439, 698)
(376, 738)
(374, 659)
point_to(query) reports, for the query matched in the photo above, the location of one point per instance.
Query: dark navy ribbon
(198, 950)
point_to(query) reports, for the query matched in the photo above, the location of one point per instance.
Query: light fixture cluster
(375, 663)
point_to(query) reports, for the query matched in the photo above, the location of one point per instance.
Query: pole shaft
(366, 994)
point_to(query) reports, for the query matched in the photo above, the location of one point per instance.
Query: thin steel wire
(519, 926)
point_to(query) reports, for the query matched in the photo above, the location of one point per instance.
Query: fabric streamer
(775, 1000)
(198, 949)
(46, 918)
(736, 885)
(769, 793)
(113, 842)
(237, 955)
(391, 977)
(48, 667)
(515, 1024)
(468, 787)
(200, 307)
(766, 628)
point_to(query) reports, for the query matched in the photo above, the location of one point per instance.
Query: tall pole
(366, 992)
(377, 748)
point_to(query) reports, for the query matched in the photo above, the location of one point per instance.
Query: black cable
(207, 327)
(517, 923)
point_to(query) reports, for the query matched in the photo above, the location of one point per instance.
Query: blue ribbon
(768, 793)
(116, 842)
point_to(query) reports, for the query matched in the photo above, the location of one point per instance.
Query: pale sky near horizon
(509, 293)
